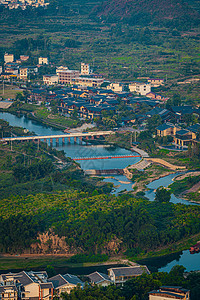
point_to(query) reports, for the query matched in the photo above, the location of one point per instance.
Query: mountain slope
(148, 11)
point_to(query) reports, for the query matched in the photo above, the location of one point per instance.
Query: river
(73, 150)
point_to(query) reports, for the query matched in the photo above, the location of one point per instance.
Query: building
(8, 58)
(88, 81)
(116, 87)
(85, 69)
(1, 69)
(24, 57)
(140, 88)
(167, 129)
(43, 61)
(184, 137)
(65, 283)
(8, 292)
(50, 79)
(66, 76)
(121, 275)
(155, 82)
(23, 73)
(99, 279)
(170, 293)
(29, 285)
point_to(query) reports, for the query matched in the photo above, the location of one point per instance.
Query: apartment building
(23, 73)
(66, 76)
(140, 88)
(85, 69)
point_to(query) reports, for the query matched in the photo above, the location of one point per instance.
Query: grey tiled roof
(97, 277)
(128, 271)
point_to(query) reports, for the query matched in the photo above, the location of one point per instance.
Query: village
(92, 99)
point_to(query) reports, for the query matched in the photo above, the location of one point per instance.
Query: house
(99, 279)
(155, 82)
(167, 129)
(50, 79)
(43, 61)
(121, 275)
(165, 114)
(65, 283)
(8, 58)
(140, 88)
(85, 69)
(116, 87)
(184, 137)
(155, 96)
(170, 293)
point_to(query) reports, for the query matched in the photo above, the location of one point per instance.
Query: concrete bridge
(105, 157)
(80, 136)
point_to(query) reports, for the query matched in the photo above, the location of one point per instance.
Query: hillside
(150, 11)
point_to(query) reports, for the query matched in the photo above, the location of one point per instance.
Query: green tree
(162, 195)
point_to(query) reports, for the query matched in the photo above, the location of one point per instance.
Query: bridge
(106, 157)
(93, 172)
(80, 136)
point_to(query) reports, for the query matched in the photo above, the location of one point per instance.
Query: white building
(8, 58)
(140, 88)
(116, 87)
(88, 81)
(85, 69)
(50, 79)
(43, 61)
(66, 76)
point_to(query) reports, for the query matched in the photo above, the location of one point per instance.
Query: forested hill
(163, 12)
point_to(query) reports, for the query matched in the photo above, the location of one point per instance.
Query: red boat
(195, 248)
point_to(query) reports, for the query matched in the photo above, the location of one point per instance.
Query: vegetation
(162, 195)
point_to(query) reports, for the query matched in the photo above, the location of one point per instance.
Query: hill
(163, 12)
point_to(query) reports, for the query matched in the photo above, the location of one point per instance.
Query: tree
(154, 122)
(162, 195)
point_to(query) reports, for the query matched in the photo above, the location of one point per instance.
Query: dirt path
(165, 163)
(181, 177)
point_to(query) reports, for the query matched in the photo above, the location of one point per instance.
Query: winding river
(73, 150)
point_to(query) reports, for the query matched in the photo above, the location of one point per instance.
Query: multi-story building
(23, 73)
(85, 69)
(50, 79)
(28, 285)
(43, 61)
(8, 58)
(88, 81)
(116, 87)
(66, 76)
(140, 88)
(170, 293)
(8, 293)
